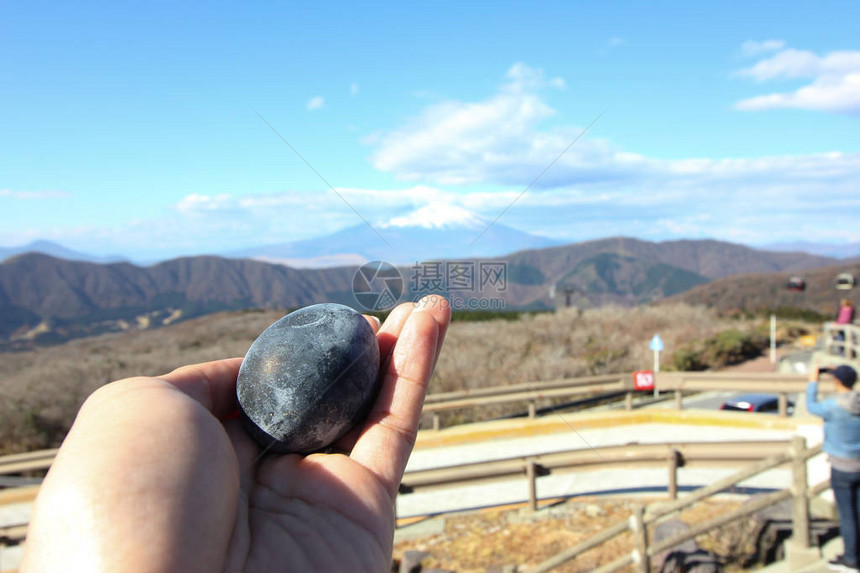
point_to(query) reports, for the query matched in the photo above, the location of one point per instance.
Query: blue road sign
(657, 343)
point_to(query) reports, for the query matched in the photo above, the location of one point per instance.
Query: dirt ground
(488, 540)
(758, 365)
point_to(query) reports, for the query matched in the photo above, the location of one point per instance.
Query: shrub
(688, 360)
(794, 313)
(730, 346)
(733, 346)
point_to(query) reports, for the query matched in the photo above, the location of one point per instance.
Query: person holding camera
(841, 414)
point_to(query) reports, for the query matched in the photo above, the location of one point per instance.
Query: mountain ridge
(43, 298)
(769, 292)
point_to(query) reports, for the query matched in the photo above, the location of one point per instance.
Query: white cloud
(197, 203)
(793, 63)
(500, 141)
(596, 189)
(353, 89)
(33, 194)
(241, 218)
(752, 48)
(834, 95)
(835, 85)
(315, 103)
(523, 77)
(615, 42)
(494, 140)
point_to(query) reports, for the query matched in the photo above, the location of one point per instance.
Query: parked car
(764, 403)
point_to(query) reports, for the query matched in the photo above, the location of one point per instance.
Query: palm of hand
(323, 512)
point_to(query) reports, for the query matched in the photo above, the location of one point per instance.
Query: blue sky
(133, 127)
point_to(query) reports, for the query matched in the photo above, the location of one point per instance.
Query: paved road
(713, 400)
(830, 550)
(10, 558)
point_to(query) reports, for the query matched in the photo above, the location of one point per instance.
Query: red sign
(643, 380)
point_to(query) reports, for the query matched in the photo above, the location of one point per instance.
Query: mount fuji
(434, 231)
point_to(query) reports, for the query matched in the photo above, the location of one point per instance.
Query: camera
(825, 369)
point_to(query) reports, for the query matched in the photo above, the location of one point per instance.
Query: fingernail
(429, 302)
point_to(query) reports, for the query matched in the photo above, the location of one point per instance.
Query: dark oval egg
(309, 378)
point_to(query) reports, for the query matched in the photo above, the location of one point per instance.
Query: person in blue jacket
(841, 415)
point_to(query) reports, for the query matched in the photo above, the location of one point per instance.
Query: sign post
(773, 339)
(643, 380)
(657, 346)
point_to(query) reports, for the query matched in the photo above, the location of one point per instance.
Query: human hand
(152, 478)
(814, 374)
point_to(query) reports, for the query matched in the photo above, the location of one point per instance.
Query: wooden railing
(842, 340)
(529, 392)
(672, 456)
(680, 383)
(26, 462)
(643, 551)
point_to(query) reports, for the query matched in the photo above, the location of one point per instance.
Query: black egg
(309, 378)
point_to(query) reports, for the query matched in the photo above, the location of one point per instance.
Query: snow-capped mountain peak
(437, 230)
(438, 216)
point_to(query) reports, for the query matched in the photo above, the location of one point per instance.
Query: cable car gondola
(845, 281)
(796, 284)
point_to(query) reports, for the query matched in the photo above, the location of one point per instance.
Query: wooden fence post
(531, 476)
(532, 409)
(783, 404)
(674, 462)
(799, 486)
(628, 401)
(828, 340)
(679, 396)
(436, 421)
(640, 536)
(848, 346)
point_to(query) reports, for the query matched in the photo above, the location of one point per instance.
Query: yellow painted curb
(555, 423)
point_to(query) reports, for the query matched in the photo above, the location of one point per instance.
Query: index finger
(392, 425)
(212, 384)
